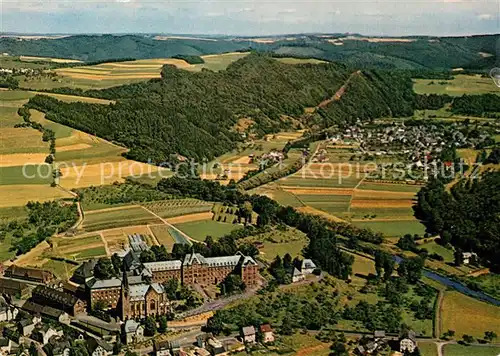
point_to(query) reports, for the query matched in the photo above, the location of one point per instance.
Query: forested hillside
(370, 95)
(467, 216)
(194, 114)
(413, 53)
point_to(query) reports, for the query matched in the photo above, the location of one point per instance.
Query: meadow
(118, 217)
(178, 207)
(462, 350)
(461, 84)
(199, 230)
(480, 316)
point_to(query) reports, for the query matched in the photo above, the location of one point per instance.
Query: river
(456, 285)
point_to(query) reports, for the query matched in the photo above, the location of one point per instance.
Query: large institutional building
(140, 293)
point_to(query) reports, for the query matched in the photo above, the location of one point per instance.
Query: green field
(427, 348)
(461, 350)
(300, 60)
(334, 182)
(277, 242)
(178, 207)
(163, 235)
(433, 247)
(461, 84)
(29, 174)
(393, 228)
(198, 230)
(120, 217)
(61, 269)
(467, 315)
(358, 213)
(390, 187)
(91, 253)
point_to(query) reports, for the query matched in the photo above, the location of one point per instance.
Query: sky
(252, 17)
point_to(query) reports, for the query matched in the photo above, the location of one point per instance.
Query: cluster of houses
(416, 143)
(407, 342)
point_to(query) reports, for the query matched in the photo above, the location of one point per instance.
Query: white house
(98, 347)
(267, 333)
(248, 334)
(134, 332)
(469, 257)
(408, 343)
(307, 266)
(297, 275)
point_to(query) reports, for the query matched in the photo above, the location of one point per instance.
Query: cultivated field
(198, 230)
(337, 189)
(461, 84)
(461, 350)
(117, 239)
(79, 248)
(469, 316)
(118, 217)
(278, 242)
(178, 207)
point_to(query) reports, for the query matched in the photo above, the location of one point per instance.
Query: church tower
(125, 296)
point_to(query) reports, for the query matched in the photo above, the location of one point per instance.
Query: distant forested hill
(472, 52)
(194, 114)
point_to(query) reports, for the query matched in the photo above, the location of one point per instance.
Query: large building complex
(139, 292)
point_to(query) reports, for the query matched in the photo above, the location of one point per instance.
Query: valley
(298, 159)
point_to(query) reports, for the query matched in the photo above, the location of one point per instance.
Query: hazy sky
(252, 17)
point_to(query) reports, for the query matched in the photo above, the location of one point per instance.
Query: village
(408, 152)
(44, 315)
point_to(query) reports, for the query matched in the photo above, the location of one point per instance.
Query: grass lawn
(126, 216)
(433, 247)
(469, 316)
(29, 174)
(389, 187)
(460, 350)
(393, 228)
(461, 84)
(427, 348)
(5, 253)
(278, 242)
(163, 235)
(61, 269)
(198, 230)
(90, 253)
(13, 213)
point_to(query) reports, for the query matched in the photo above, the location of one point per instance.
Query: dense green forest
(194, 114)
(467, 216)
(441, 53)
(370, 95)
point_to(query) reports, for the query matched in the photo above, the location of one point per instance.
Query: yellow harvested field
(242, 160)
(117, 239)
(103, 173)
(19, 159)
(313, 211)
(381, 203)
(380, 194)
(469, 316)
(32, 258)
(190, 218)
(47, 59)
(223, 54)
(319, 191)
(75, 147)
(73, 98)
(19, 195)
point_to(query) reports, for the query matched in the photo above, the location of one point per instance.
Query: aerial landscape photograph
(214, 177)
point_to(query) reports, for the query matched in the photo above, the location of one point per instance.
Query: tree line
(465, 216)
